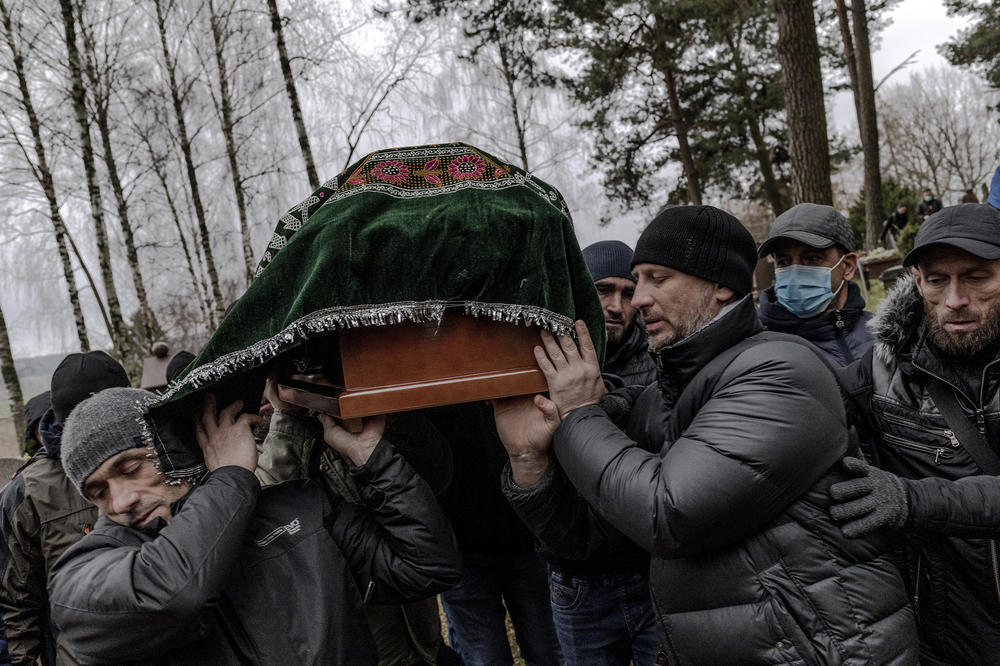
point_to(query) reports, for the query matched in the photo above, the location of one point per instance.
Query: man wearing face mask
(928, 206)
(813, 296)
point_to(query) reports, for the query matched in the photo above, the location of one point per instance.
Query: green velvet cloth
(404, 234)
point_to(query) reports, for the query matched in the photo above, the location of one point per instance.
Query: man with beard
(927, 397)
(627, 355)
(718, 469)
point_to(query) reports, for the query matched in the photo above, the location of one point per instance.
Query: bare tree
(170, 62)
(293, 95)
(939, 131)
(809, 147)
(11, 381)
(219, 28)
(40, 169)
(102, 77)
(78, 96)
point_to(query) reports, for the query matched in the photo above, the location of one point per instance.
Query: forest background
(147, 147)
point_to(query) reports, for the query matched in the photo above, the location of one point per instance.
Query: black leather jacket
(241, 575)
(953, 526)
(721, 474)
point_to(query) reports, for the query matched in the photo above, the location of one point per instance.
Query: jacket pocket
(939, 454)
(791, 641)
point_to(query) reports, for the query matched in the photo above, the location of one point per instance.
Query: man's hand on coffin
(226, 436)
(525, 425)
(355, 447)
(572, 371)
(271, 395)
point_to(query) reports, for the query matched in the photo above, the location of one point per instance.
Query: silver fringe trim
(334, 319)
(176, 477)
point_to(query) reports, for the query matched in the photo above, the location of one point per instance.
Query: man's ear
(850, 265)
(916, 278)
(723, 294)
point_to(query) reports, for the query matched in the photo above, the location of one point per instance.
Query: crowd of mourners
(797, 482)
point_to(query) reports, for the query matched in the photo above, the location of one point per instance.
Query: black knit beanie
(608, 259)
(81, 375)
(701, 241)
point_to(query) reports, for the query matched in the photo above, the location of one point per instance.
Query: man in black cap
(627, 355)
(927, 399)
(42, 514)
(718, 470)
(813, 296)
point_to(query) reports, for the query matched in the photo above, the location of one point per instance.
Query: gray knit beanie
(103, 425)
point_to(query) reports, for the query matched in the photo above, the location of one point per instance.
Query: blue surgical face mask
(805, 290)
(928, 198)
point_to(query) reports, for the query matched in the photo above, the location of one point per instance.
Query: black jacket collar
(679, 362)
(822, 326)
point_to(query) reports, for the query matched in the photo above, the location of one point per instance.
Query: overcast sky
(916, 24)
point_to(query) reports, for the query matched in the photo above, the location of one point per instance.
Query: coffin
(406, 366)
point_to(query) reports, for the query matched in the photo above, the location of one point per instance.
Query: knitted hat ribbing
(702, 241)
(610, 258)
(101, 426)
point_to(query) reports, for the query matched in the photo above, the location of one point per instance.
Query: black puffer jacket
(245, 576)
(841, 334)
(953, 527)
(747, 568)
(632, 361)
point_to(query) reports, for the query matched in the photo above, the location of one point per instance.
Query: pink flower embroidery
(431, 173)
(391, 171)
(356, 180)
(464, 167)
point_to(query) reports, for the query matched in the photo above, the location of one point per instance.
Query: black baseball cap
(972, 227)
(815, 225)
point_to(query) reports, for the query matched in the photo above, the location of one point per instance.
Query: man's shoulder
(48, 488)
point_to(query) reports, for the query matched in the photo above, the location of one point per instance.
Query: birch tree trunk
(226, 113)
(185, 142)
(44, 176)
(146, 324)
(78, 95)
(809, 148)
(293, 95)
(12, 383)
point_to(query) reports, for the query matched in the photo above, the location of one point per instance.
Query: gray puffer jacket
(953, 526)
(721, 473)
(245, 576)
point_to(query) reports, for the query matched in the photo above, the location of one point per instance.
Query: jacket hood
(897, 319)
(51, 432)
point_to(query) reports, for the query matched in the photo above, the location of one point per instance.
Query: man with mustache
(927, 398)
(627, 355)
(719, 469)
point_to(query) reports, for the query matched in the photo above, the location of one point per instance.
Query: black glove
(873, 500)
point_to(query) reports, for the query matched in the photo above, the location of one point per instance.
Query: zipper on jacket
(916, 590)
(980, 420)
(996, 569)
(944, 432)
(938, 452)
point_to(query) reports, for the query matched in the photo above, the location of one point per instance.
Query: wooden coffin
(385, 369)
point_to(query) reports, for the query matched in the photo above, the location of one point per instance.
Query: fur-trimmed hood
(897, 319)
